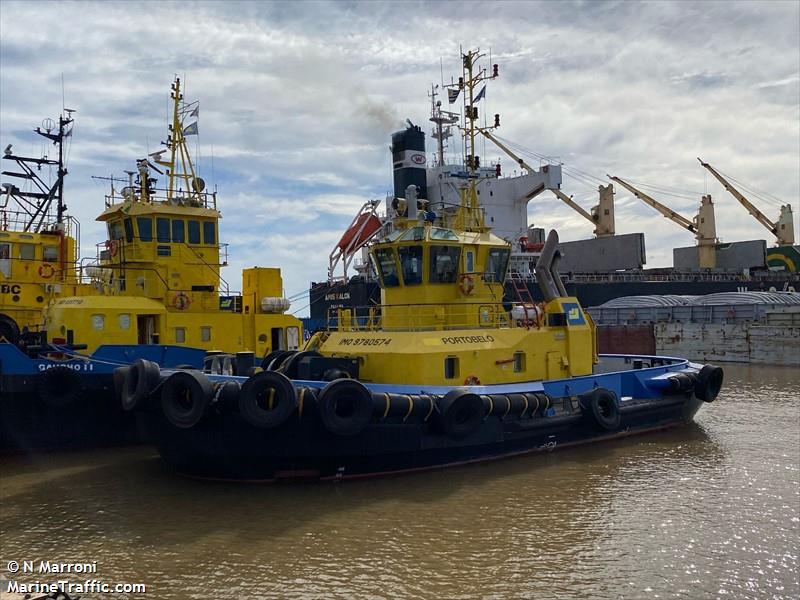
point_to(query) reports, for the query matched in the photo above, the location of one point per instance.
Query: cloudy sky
(298, 101)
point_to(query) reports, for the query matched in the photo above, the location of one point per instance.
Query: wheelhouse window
(444, 263)
(209, 233)
(194, 232)
(115, 230)
(496, 264)
(145, 225)
(128, 230)
(162, 230)
(411, 263)
(387, 265)
(178, 231)
(27, 251)
(50, 253)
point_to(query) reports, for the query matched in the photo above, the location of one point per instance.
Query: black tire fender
(292, 363)
(9, 330)
(709, 383)
(602, 407)
(267, 399)
(226, 395)
(59, 387)
(185, 396)
(345, 407)
(119, 375)
(461, 412)
(138, 383)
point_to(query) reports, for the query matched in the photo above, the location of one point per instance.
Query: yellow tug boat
(444, 371)
(157, 277)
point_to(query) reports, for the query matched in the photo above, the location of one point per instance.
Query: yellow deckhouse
(443, 319)
(157, 277)
(38, 240)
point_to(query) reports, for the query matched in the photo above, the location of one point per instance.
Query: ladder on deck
(524, 298)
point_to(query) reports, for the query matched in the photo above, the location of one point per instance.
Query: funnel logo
(418, 159)
(574, 314)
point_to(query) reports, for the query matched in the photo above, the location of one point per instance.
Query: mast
(34, 208)
(179, 166)
(470, 217)
(443, 120)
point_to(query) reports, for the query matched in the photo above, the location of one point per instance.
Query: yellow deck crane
(703, 226)
(783, 229)
(602, 215)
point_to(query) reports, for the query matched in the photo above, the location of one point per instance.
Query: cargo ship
(596, 270)
(442, 371)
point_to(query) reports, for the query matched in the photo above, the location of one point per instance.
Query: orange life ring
(466, 283)
(112, 246)
(472, 380)
(46, 271)
(181, 301)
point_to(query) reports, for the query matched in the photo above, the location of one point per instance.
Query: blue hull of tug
(224, 445)
(81, 410)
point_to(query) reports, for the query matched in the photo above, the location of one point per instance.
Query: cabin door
(146, 327)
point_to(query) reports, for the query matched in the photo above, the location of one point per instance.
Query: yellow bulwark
(157, 276)
(443, 318)
(34, 267)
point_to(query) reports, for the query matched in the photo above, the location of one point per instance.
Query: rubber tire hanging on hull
(9, 330)
(460, 412)
(267, 399)
(603, 408)
(185, 396)
(345, 407)
(59, 387)
(139, 382)
(292, 363)
(709, 383)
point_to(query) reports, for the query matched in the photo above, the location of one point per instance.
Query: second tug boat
(445, 371)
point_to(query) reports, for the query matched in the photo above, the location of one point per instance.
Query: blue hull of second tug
(516, 419)
(48, 403)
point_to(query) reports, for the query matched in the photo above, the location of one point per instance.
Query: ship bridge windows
(115, 231)
(387, 266)
(27, 251)
(145, 225)
(444, 264)
(496, 264)
(162, 230)
(178, 229)
(209, 233)
(128, 229)
(194, 232)
(50, 253)
(411, 262)
(437, 233)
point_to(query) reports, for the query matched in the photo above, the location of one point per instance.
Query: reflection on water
(704, 511)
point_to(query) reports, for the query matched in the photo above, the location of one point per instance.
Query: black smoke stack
(409, 161)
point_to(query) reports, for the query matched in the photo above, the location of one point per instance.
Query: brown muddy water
(711, 510)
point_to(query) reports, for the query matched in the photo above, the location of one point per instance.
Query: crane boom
(573, 205)
(664, 210)
(759, 216)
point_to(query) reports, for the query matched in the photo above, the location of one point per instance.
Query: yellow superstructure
(157, 277)
(443, 319)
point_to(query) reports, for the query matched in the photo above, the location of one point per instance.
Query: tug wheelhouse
(157, 278)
